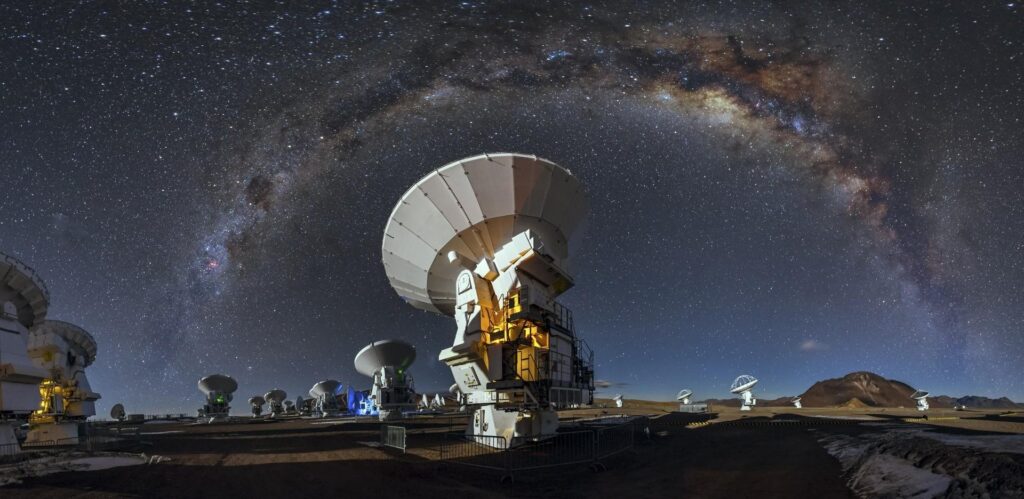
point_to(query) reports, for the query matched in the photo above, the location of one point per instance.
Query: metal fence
(92, 439)
(392, 436)
(582, 446)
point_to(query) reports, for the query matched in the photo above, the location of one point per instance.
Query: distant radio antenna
(684, 396)
(117, 412)
(618, 400)
(387, 362)
(256, 404)
(275, 398)
(922, 400)
(796, 403)
(742, 386)
(219, 390)
(325, 396)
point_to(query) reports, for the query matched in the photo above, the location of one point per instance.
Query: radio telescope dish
(276, 395)
(743, 383)
(218, 389)
(684, 395)
(257, 400)
(218, 383)
(796, 402)
(742, 386)
(472, 207)
(326, 387)
(386, 362)
(618, 400)
(922, 399)
(390, 353)
(24, 290)
(117, 412)
(325, 395)
(77, 338)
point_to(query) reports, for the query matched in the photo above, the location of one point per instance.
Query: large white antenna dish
(481, 237)
(922, 399)
(219, 390)
(796, 402)
(24, 290)
(386, 361)
(684, 396)
(473, 207)
(79, 340)
(64, 350)
(275, 398)
(117, 412)
(391, 353)
(24, 301)
(326, 395)
(218, 383)
(742, 386)
(618, 400)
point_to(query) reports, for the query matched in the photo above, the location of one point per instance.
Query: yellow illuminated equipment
(486, 241)
(51, 403)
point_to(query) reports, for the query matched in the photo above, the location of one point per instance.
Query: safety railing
(583, 446)
(393, 436)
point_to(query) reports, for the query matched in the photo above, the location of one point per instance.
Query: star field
(794, 191)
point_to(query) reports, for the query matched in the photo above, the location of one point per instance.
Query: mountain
(974, 402)
(868, 388)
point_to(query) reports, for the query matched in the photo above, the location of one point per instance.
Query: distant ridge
(867, 389)
(870, 389)
(862, 389)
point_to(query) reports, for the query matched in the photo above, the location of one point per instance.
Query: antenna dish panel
(454, 388)
(684, 394)
(73, 335)
(395, 353)
(472, 207)
(743, 383)
(117, 412)
(218, 383)
(918, 395)
(325, 387)
(617, 398)
(21, 286)
(276, 395)
(257, 400)
(796, 399)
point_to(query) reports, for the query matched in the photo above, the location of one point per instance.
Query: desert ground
(768, 452)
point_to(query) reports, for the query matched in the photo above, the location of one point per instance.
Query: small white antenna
(922, 400)
(742, 386)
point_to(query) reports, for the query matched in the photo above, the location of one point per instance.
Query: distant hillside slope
(872, 390)
(869, 388)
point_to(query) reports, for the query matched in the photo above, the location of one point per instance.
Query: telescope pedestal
(52, 434)
(515, 426)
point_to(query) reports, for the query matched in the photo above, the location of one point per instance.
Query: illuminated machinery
(256, 403)
(387, 362)
(64, 351)
(485, 240)
(922, 400)
(359, 403)
(275, 398)
(24, 300)
(219, 390)
(325, 395)
(742, 386)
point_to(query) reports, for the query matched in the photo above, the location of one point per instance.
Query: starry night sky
(793, 191)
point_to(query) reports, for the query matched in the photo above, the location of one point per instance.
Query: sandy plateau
(768, 452)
